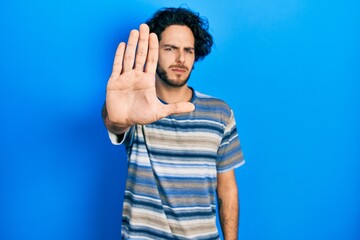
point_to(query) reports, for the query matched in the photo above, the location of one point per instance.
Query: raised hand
(130, 94)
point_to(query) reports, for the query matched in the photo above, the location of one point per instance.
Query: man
(182, 146)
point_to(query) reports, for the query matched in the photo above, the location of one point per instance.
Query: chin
(176, 83)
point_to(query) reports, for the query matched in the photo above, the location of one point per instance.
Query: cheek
(165, 59)
(161, 61)
(191, 61)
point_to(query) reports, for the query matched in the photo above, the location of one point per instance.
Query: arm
(228, 204)
(112, 127)
(130, 92)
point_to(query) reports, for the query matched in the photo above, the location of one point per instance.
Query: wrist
(116, 128)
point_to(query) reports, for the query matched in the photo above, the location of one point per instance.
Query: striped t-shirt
(172, 172)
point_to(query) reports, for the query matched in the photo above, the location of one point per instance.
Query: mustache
(179, 66)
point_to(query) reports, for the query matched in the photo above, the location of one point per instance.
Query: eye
(168, 49)
(191, 51)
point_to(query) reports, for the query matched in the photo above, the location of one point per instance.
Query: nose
(181, 57)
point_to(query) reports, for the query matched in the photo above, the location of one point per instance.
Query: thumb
(177, 108)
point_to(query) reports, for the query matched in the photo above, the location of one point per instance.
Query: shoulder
(212, 105)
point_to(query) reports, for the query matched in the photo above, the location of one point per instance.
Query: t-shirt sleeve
(229, 155)
(125, 139)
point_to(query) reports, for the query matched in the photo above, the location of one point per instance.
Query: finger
(118, 60)
(142, 47)
(152, 57)
(130, 51)
(176, 108)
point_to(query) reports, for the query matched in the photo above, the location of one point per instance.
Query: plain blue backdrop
(290, 69)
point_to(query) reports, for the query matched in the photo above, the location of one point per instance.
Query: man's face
(176, 55)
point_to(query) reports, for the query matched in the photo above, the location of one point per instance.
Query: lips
(178, 69)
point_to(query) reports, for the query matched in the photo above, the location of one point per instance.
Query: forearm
(228, 204)
(111, 126)
(229, 213)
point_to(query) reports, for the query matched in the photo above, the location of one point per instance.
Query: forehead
(178, 35)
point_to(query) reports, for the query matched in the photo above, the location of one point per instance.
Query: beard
(171, 82)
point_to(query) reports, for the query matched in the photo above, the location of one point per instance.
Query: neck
(172, 94)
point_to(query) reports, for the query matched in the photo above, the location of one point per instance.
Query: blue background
(290, 69)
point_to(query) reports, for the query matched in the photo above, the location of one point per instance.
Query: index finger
(152, 58)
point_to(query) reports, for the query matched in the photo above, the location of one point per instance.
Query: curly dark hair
(182, 16)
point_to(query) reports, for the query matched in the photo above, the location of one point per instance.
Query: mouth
(178, 69)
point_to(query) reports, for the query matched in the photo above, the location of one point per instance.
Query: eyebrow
(173, 46)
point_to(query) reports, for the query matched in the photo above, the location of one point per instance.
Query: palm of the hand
(131, 99)
(131, 94)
